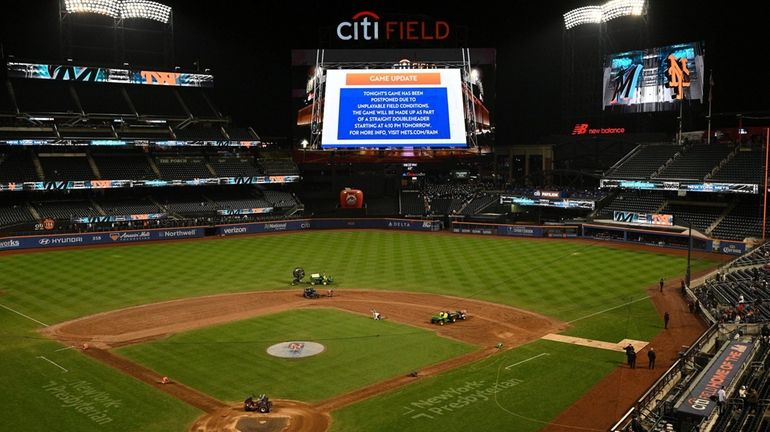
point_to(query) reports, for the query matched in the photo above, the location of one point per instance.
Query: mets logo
(295, 347)
(114, 236)
(48, 224)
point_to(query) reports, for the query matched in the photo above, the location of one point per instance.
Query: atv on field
(261, 404)
(445, 317)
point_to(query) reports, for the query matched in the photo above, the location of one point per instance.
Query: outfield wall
(107, 237)
(130, 236)
(599, 232)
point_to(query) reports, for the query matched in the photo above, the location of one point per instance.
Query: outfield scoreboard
(383, 107)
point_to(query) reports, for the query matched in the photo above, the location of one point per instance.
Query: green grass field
(229, 361)
(572, 281)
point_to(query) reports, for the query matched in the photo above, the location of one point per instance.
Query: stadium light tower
(121, 9)
(152, 19)
(602, 13)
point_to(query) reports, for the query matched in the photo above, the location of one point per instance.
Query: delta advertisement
(654, 79)
(111, 237)
(59, 72)
(724, 369)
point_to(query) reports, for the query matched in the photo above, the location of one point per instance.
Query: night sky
(247, 45)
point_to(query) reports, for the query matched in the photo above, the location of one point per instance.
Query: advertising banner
(119, 218)
(723, 370)
(744, 188)
(109, 237)
(262, 227)
(519, 231)
(728, 247)
(303, 224)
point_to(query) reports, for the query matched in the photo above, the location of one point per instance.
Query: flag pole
(711, 89)
(764, 206)
(679, 135)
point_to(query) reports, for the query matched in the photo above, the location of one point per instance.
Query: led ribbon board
(108, 75)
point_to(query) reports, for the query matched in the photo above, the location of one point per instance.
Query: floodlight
(109, 8)
(603, 13)
(474, 75)
(145, 9)
(121, 9)
(583, 15)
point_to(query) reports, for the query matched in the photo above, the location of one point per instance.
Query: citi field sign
(367, 26)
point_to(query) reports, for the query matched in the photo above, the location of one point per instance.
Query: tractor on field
(320, 279)
(446, 317)
(261, 404)
(298, 274)
(315, 278)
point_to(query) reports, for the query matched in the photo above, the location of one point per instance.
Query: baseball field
(89, 333)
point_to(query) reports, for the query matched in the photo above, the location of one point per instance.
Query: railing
(649, 397)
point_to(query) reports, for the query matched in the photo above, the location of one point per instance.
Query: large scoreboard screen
(655, 79)
(376, 108)
(394, 99)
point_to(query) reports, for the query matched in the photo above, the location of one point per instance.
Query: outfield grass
(39, 396)
(229, 361)
(485, 396)
(597, 288)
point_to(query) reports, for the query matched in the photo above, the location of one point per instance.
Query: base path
(487, 325)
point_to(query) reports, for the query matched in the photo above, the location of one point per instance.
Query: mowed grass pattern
(518, 390)
(230, 361)
(39, 396)
(558, 278)
(597, 288)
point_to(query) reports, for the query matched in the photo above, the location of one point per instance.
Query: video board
(376, 108)
(393, 98)
(69, 72)
(654, 79)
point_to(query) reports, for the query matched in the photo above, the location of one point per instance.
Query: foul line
(607, 310)
(53, 363)
(524, 361)
(25, 316)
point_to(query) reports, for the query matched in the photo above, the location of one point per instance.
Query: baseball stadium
(406, 216)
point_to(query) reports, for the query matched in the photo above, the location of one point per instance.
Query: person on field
(651, 356)
(630, 356)
(666, 318)
(661, 284)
